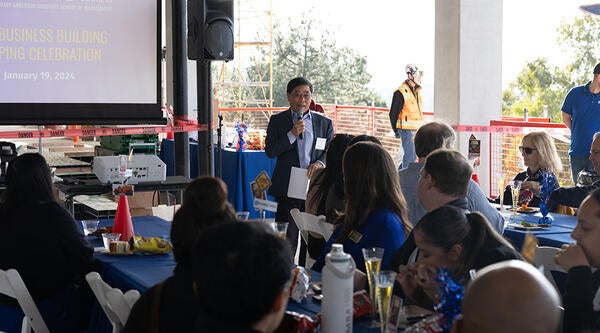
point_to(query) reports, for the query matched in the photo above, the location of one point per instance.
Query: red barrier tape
(180, 126)
(513, 129)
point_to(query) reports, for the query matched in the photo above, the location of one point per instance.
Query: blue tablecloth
(135, 271)
(555, 240)
(561, 228)
(167, 155)
(239, 169)
(141, 272)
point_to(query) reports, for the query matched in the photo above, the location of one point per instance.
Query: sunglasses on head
(526, 150)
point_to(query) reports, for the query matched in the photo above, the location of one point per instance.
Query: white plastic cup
(89, 226)
(108, 237)
(242, 216)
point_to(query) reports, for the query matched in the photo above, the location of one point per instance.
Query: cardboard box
(141, 211)
(139, 200)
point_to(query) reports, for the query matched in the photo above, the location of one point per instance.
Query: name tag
(355, 236)
(320, 145)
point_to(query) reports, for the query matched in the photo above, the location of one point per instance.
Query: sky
(373, 29)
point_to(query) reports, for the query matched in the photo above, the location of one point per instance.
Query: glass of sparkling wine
(515, 188)
(501, 185)
(373, 257)
(384, 282)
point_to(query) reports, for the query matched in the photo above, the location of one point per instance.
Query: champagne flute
(373, 257)
(515, 188)
(501, 185)
(384, 282)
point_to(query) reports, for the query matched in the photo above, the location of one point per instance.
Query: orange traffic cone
(122, 223)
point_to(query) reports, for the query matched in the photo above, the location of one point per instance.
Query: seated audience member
(326, 190)
(170, 306)
(540, 156)
(573, 196)
(581, 298)
(43, 242)
(444, 179)
(241, 275)
(428, 138)
(447, 237)
(375, 214)
(509, 296)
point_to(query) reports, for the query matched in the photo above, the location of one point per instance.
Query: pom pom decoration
(548, 185)
(241, 129)
(451, 298)
(448, 308)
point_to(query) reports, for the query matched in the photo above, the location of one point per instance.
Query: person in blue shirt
(581, 114)
(375, 213)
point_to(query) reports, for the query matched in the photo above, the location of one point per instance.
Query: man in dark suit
(298, 137)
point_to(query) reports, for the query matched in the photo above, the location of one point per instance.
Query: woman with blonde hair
(539, 156)
(375, 212)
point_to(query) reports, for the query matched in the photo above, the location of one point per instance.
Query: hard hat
(411, 69)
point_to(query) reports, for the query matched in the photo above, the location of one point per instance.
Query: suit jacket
(278, 145)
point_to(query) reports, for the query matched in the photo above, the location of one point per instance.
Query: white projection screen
(80, 62)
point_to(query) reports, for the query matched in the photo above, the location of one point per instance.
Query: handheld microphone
(299, 116)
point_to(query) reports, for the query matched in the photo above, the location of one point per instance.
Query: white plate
(521, 227)
(528, 210)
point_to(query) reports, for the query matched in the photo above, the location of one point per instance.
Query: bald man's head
(510, 296)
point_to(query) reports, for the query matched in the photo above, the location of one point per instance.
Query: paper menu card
(298, 185)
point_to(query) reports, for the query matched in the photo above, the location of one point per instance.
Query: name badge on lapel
(320, 145)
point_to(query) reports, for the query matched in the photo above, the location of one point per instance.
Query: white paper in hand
(298, 185)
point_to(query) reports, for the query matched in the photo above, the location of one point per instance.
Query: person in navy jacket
(297, 137)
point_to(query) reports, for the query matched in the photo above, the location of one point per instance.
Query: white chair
(307, 222)
(544, 257)
(12, 285)
(114, 303)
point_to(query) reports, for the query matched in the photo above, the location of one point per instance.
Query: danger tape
(103, 131)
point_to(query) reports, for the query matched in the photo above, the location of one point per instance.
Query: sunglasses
(526, 150)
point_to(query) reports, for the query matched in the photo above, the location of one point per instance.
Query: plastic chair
(544, 257)
(114, 303)
(307, 222)
(12, 285)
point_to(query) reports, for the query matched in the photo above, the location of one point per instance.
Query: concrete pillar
(468, 70)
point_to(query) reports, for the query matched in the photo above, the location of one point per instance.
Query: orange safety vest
(411, 115)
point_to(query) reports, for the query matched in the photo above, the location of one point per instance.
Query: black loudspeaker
(210, 29)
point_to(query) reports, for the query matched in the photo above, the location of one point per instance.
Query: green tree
(304, 48)
(538, 84)
(580, 39)
(537, 88)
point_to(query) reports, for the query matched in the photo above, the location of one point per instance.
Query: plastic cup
(242, 216)
(108, 237)
(89, 226)
(280, 228)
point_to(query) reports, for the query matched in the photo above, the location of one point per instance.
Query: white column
(468, 70)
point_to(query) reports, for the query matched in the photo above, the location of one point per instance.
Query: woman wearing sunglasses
(539, 156)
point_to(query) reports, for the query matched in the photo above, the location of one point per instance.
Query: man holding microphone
(297, 137)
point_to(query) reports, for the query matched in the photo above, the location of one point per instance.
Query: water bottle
(338, 291)
(526, 114)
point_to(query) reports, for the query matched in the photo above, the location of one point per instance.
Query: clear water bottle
(526, 114)
(338, 291)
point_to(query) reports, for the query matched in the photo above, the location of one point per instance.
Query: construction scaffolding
(247, 80)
